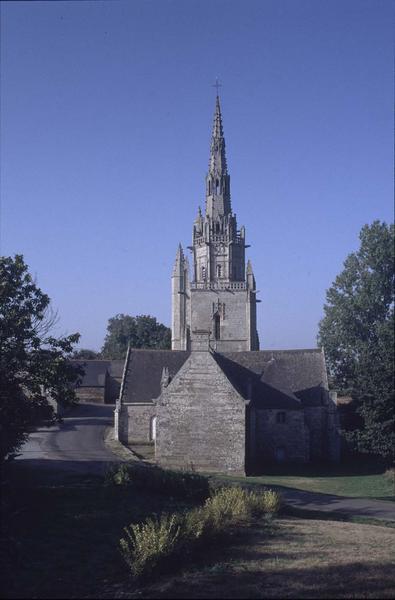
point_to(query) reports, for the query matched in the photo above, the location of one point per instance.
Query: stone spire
(217, 180)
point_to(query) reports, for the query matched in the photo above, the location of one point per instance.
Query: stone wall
(315, 419)
(280, 442)
(234, 330)
(134, 422)
(91, 394)
(113, 386)
(201, 419)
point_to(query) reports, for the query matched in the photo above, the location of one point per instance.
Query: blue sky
(106, 114)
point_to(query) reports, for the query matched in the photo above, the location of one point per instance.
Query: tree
(357, 333)
(33, 365)
(86, 354)
(142, 331)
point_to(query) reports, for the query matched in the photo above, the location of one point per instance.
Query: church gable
(201, 419)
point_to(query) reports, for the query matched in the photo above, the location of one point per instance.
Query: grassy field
(298, 558)
(351, 480)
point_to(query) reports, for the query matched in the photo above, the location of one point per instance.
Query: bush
(181, 484)
(228, 506)
(148, 544)
(266, 503)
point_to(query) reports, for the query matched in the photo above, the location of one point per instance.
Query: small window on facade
(280, 454)
(203, 272)
(209, 187)
(153, 429)
(217, 186)
(217, 327)
(219, 270)
(280, 417)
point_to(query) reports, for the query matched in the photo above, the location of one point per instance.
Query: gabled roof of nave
(275, 379)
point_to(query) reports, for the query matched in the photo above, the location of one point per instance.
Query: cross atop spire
(217, 85)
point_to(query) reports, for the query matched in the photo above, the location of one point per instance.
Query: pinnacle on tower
(180, 259)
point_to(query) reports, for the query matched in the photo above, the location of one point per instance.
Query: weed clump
(146, 545)
(186, 485)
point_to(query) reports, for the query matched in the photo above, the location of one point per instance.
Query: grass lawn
(296, 558)
(356, 481)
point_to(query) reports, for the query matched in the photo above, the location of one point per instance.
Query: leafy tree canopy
(142, 331)
(357, 333)
(86, 354)
(33, 364)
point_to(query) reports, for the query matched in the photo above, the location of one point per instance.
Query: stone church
(215, 402)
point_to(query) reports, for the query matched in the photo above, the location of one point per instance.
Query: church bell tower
(221, 295)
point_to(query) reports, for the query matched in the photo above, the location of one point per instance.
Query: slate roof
(251, 386)
(144, 372)
(95, 371)
(289, 379)
(300, 375)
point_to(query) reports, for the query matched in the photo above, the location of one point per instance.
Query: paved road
(76, 445)
(362, 507)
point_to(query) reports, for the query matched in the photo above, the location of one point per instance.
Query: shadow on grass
(355, 580)
(60, 534)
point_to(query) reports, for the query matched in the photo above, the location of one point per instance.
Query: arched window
(219, 271)
(217, 187)
(217, 327)
(209, 187)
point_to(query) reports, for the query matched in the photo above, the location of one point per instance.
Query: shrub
(271, 502)
(119, 475)
(227, 506)
(147, 544)
(182, 484)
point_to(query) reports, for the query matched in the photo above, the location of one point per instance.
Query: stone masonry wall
(201, 419)
(91, 394)
(315, 419)
(271, 437)
(135, 422)
(234, 334)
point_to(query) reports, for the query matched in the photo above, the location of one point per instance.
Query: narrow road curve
(76, 444)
